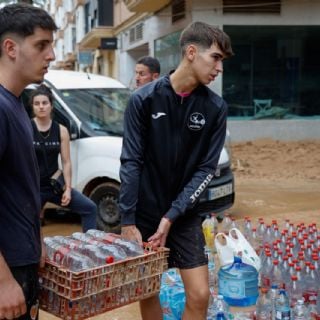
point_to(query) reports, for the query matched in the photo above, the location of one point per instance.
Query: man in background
(147, 69)
(26, 37)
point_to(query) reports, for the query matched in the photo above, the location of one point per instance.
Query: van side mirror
(73, 130)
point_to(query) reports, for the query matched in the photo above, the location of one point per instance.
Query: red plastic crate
(79, 295)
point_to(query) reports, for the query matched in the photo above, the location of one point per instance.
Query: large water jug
(238, 283)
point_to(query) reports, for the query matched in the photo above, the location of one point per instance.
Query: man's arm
(131, 164)
(12, 301)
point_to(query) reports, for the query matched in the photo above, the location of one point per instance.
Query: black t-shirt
(19, 185)
(47, 147)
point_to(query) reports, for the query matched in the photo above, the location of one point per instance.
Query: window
(178, 10)
(273, 62)
(252, 6)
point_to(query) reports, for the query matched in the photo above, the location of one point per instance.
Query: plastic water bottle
(273, 295)
(276, 275)
(300, 311)
(172, 295)
(263, 306)
(132, 248)
(108, 249)
(218, 305)
(312, 285)
(226, 223)
(96, 254)
(208, 231)
(283, 306)
(75, 261)
(221, 316)
(295, 291)
(238, 283)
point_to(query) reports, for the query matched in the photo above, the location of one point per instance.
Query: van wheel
(106, 197)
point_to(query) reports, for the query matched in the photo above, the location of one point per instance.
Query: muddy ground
(273, 179)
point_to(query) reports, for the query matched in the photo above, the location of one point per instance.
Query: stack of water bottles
(289, 278)
(82, 251)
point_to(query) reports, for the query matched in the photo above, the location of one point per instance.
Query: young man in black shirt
(26, 36)
(174, 132)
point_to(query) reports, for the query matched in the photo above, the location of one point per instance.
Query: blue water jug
(238, 283)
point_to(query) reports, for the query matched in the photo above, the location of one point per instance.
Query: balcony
(92, 39)
(145, 5)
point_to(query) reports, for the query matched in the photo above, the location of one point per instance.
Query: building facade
(275, 71)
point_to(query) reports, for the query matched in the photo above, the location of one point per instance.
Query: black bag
(57, 182)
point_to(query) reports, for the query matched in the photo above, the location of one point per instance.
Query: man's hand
(160, 237)
(12, 301)
(131, 233)
(66, 197)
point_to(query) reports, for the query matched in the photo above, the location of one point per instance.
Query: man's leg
(197, 292)
(150, 308)
(86, 208)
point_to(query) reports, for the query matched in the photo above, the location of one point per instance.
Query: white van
(92, 107)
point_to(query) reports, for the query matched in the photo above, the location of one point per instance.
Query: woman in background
(51, 139)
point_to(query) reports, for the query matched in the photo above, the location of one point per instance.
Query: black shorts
(27, 277)
(185, 241)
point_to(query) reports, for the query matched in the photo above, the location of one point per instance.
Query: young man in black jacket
(26, 36)
(174, 132)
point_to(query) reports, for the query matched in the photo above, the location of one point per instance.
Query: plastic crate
(79, 295)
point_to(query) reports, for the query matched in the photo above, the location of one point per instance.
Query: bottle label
(232, 289)
(283, 315)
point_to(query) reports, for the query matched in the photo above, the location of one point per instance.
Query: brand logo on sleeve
(196, 121)
(201, 188)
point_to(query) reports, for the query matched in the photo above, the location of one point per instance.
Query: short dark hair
(21, 19)
(152, 63)
(41, 90)
(204, 35)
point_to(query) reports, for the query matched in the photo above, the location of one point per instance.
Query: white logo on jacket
(196, 121)
(201, 188)
(158, 115)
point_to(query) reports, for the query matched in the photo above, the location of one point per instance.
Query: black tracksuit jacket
(171, 148)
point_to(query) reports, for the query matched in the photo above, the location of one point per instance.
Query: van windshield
(100, 109)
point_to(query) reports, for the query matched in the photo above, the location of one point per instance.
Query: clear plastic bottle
(283, 311)
(108, 249)
(263, 306)
(211, 273)
(261, 230)
(276, 275)
(218, 305)
(300, 311)
(221, 316)
(294, 291)
(96, 254)
(75, 261)
(265, 272)
(273, 294)
(226, 223)
(55, 251)
(132, 248)
(312, 285)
